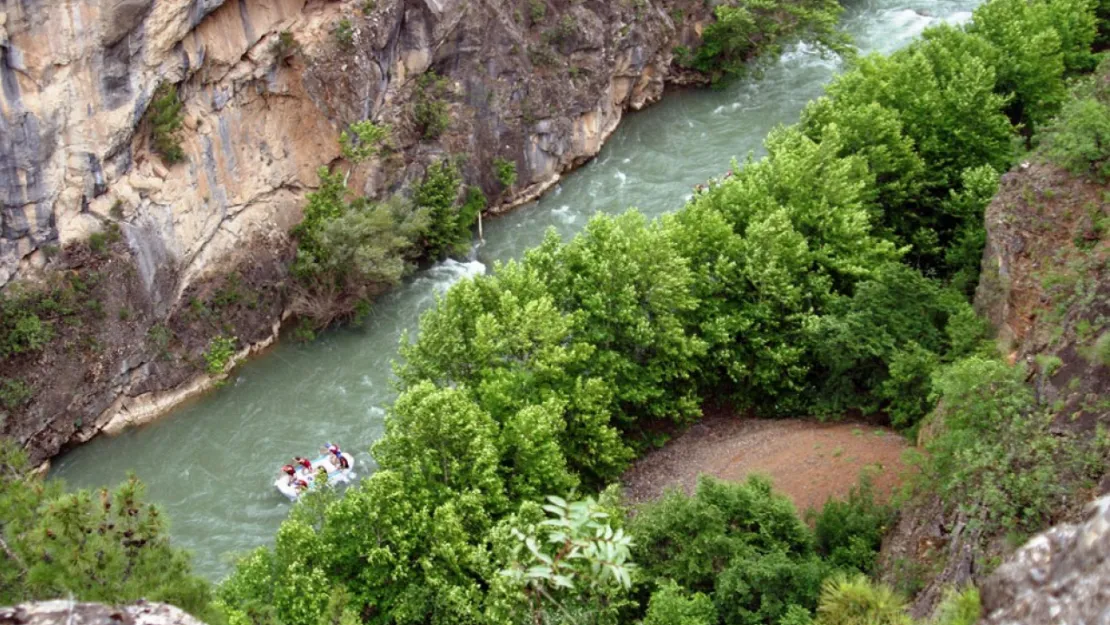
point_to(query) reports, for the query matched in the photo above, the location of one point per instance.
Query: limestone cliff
(540, 83)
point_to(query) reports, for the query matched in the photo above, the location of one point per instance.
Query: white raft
(335, 475)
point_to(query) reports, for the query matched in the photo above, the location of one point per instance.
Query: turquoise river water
(211, 464)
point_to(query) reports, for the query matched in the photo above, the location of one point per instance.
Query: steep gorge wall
(542, 88)
(1045, 289)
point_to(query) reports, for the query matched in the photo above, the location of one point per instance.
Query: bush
(1079, 138)
(506, 172)
(858, 601)
(365, 140)
(537, 10)
(672, 605)
(218, 355)
(345, 33)
(741, 542)
(430, 108)
(14, 393)
(750, 27)
(23, 331)
(164, 119)
(349, 252)
(850, 532)
(995, 454)
(284, 46)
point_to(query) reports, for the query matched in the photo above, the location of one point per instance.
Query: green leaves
(365, 140)
(107, 546)
(747, 28)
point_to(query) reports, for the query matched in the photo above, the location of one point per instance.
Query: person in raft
(304, 464)
(337, 456)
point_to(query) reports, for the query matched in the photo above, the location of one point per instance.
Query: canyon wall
(266, 86)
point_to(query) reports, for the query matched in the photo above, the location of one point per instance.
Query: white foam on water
(909, 23)
(564, 215)
(619, 175)
(717, 111)
(959, 17)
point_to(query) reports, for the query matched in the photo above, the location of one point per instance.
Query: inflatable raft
(336, 475)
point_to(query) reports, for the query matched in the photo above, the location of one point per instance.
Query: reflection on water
(211, 464)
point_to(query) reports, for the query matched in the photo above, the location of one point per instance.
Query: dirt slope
(807, 460)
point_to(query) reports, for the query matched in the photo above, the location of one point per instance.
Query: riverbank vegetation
(829, 277)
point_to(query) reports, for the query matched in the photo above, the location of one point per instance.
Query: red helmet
(288, 469)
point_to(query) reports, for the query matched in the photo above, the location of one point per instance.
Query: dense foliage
(348, 251)
(996, 454)
(827, 277)
(93, 546)
(1079, 137)
(744, 28)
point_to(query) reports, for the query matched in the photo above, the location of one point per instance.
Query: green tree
(630, 293)
(857, 601)
(742, 29)
(107, 546)
(438, 194)
(164, 118)
(365, 140)
(672, 605)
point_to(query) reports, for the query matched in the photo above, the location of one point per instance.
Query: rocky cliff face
(74, 613)
(1061, 576)
(540, 83)
(1045, 288)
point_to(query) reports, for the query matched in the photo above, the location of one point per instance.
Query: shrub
(365, 140)
(996, 454)
(672, 605)
(740, 542)
(349, 252)
(14, 393)
(537, 10)
(574, 566)
(164, 118)
(430, 108)
(1079, 138)
(858, 601)
(23, 332)
(345, 33)
(743, 30)
(438, 194)
(284, 46)
(218, 355)
(506, 172)
(849, 532)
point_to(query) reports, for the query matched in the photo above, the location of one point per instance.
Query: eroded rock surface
(75, 613)
(540, 83)
(1061, 576)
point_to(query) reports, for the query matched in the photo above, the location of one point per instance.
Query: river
(211, 463)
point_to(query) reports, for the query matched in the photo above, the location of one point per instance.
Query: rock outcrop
(1060, 576)
(1045, 288)
(75, 613)
(267, 86)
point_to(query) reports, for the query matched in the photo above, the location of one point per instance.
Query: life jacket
(288, 469)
